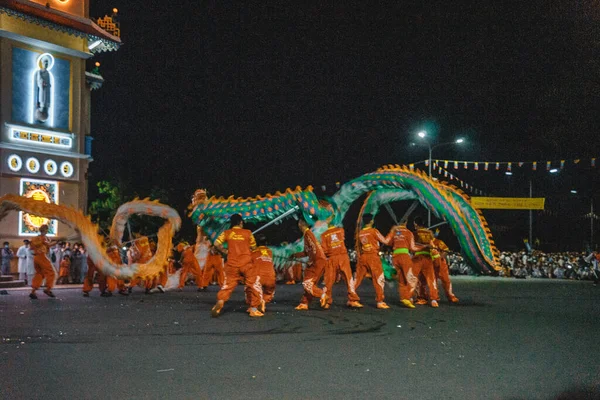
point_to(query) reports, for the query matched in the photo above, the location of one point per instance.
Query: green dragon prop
(389, 183)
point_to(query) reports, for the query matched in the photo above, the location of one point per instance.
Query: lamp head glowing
(95, 44)
(508, 173)
(553, 170)
(573, 191)
(460, 140)
(422, 134)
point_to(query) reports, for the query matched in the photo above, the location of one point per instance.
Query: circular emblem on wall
(66, 169)
(33, 165)
(50, 167)
(15, 163)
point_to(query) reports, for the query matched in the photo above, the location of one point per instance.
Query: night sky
(251, 99)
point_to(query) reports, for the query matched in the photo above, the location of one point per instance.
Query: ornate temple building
(45, 91)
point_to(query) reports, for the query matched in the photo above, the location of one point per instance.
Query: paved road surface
(507, 339)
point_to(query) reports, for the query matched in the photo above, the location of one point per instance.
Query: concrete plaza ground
(507, 339)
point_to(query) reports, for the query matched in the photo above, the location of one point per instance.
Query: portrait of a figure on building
(42, 88)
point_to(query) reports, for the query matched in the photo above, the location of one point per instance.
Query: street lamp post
(423, 135)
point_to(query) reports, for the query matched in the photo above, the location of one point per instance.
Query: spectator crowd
(69, 262)
(537, 264)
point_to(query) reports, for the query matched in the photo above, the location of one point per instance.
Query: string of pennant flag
(439, 171)
(509, 165)
(440, 167)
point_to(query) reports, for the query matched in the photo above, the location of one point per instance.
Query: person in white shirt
(25, 258)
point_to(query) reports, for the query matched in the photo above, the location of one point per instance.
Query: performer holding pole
(43, 267)
(239, 265)
(422, 261)
(189, 265)
(213, 266)
(316, 266)
(262, 258)
(334, 246)
(440, 267)
(369, 260)
(404, 243)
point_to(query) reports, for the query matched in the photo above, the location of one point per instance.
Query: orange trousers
(113, 283)
(312, 274)
(293, 273)
(148, 283)
(371, 263)
(88, 280)
(233, 276)
(190, 268)
(339, 263)
(214, 264)
(43, 270)
(162, 278)
(442, 272)
(405, 275)
(267, 281)
(423, 264)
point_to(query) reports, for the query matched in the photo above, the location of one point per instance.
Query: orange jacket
(187, 256)
(369, 239)
(262, 258)
(40, 245)
(332, 241)
(403, 238)
(239, 244)
(312, 248)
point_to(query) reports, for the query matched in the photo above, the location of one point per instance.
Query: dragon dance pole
(436, 225)
(285, 214)
(410, 210)
(391, 212)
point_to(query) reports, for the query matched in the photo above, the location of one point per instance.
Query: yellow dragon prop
(93, 242)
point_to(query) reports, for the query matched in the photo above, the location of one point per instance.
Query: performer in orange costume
(403, 242)
(440, 267)
(43, 267)
(214, 265)
(262, 258)
(369, 260)
(169, 270)
(189, 265)
(113, 283)
(338, 261)
(63, 272)
(292, 272)
(317, 262)
(140, 252)
(240, 243)
(423, 263)
(88, 280)
(296, 273)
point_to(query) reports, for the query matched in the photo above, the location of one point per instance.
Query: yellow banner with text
(508, 203)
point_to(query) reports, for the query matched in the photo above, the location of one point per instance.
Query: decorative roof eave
(62, 22)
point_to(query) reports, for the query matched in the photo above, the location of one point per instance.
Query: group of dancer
(417, 275)
(418, 264)
(46, 274)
